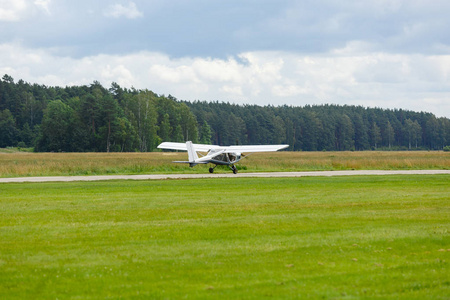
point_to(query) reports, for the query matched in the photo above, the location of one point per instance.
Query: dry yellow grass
(365, 160)
(44, 164)
(41, 164)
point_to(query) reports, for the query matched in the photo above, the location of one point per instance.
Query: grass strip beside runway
(248, 238)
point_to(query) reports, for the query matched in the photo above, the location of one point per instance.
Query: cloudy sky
(373, 53)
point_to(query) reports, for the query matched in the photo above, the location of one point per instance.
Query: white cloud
(414, 82)
(118, 73)
(12, 10)
(118, 10)
(44, 5)
(232, 90)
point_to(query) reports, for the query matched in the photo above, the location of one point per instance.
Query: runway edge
(222, 175)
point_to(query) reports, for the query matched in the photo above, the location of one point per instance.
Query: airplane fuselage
(225, 158)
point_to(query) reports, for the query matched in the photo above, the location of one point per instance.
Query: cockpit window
(227, 157)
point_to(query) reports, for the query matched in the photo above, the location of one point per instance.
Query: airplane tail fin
(192, 154)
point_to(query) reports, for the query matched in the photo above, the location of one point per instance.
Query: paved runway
(222, 175)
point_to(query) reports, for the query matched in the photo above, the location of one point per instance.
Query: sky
(392, 54)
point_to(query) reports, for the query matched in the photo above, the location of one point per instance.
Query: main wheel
(211, 170)
(234, 170)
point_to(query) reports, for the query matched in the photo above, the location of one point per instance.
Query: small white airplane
(218, 155)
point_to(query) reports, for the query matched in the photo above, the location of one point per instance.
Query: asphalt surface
(222, 175)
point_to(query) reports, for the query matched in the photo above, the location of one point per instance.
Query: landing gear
(211, 170)
(234, 169)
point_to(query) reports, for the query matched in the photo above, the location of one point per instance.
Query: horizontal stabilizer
(189, 162)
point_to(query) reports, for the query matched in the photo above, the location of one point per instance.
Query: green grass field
(383, 237)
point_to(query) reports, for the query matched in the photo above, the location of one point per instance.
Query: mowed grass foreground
(384, 237)
(52, 164)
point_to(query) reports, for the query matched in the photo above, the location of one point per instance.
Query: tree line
(98, 119)
(324, 127)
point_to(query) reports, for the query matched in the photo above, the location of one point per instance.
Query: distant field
(45, 164)
(384, 237)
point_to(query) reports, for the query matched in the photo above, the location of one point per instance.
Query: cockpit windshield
(228, 157)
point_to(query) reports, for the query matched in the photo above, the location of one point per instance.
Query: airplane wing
(254, 148)
(183, 147)
(225, 149)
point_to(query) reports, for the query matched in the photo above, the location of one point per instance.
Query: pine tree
(205, 133)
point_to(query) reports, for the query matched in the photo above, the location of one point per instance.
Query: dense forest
(94, 118)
